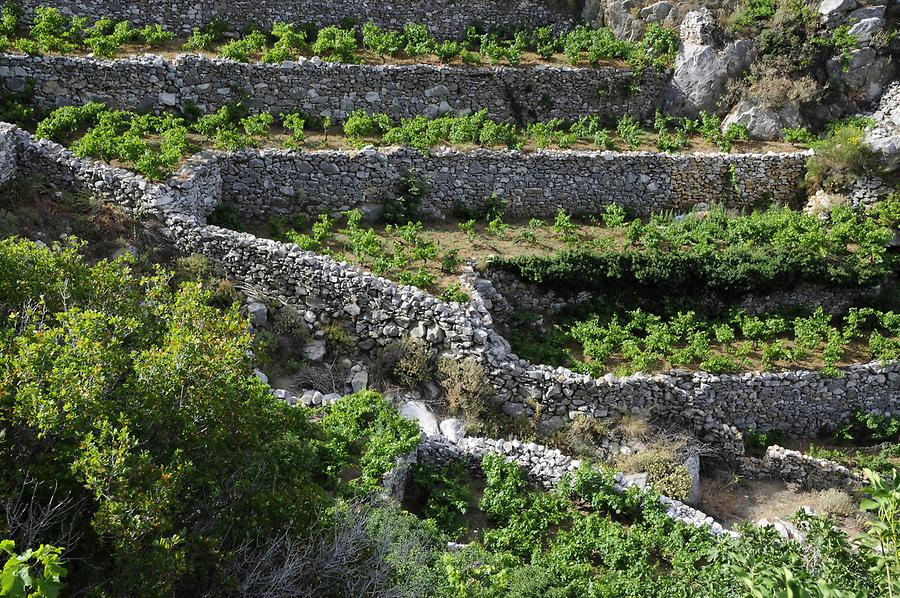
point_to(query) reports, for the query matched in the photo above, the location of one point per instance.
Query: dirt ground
(752, 500)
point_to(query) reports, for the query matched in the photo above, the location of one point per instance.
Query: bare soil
(752, 500)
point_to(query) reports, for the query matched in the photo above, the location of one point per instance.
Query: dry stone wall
(444, 17)
(715, 408)
(522, 295)
(803, 470)
(542, 465)
(532, 184)
(323, 89)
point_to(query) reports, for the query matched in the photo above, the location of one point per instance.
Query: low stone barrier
(530, 184)
(443, 17)
(522, 295)
(715, 408)
(796, 468)
(317, 88)
(542, 465)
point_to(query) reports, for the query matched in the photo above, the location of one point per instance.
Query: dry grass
(837, 503)
(634, 426)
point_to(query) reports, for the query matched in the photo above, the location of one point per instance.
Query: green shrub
(364, 427)
(248, 47)
(35, 573)
(145, 377)
(413, 362)
(799, 135)
(288, 43)
(336, 45)
(51, 31)
(295, 123)
(454, 294)
(381, 42)
(404, 206)
(10, 18)
(630, 131)
(418, 40)
(361, 124)
(446, 495)
(839, 160)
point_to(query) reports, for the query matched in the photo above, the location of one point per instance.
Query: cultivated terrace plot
(452, 299)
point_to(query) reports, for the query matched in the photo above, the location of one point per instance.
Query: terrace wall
(444, 17)
(533, 184)
(714, 407)
(322, 89)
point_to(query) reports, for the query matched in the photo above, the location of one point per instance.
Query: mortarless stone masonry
(444, 17)
(532, 184)
(714, 407)
(319, 88)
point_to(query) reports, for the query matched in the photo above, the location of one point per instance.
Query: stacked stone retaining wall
(803, 470)
(531, 184)
(714, 407)
(317, 88)
(443, 17)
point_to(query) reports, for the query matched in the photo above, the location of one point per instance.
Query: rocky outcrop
(703, 66)
(763, 122)
(884, 137)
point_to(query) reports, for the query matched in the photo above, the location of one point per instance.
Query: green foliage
(288, 43)
(248, 47)
(159, 420)
(403, 208)
(799, 135)
(364, 429)
(722, 254)
(753, 12)
(710, 127)
(867, 428)
(208, 36)
(565, 228)
(34, 573)
(381, 42)
(630, 131)
(418, 39)
(454, 294)
(361, 124)
(51, 31)
(644, 341)
(613, 215)
(446, 496)
(222, 127)
(840, 159)
(10, 17)
(336, 45)
(96, 131)
(295, 123)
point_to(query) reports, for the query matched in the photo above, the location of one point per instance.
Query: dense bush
(148, 449)
(413, 361)
(841, 159)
